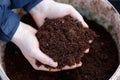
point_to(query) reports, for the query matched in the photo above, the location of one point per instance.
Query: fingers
(43, 58)
(32, 61)
(46, 60)
(64, 68)
(79, 64)
(39, 19)
(90, 41)
(43, 68)
(76, 15)
(87, 50)
(69, 67)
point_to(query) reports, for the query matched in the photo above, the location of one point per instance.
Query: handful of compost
(65, 40)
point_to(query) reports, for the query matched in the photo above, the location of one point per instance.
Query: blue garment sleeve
(26, 4)
(9, 21)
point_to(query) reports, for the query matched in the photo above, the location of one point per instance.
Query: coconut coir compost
(64, 39)
(99, 64)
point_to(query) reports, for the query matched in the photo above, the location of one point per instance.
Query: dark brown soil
(64, 40)
(99, 64)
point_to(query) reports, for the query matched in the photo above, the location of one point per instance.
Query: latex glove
(26, 40)
(51, 9)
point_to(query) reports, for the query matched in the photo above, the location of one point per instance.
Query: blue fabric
(31, 4)
(9, 21)
(27, 4)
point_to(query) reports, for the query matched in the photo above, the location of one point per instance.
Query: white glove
(26, 40)
(51, 9)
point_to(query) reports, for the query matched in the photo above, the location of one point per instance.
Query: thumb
(76, 15)
(39, 19)
(43, 58)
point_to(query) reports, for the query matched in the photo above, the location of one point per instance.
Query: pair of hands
(25, 37)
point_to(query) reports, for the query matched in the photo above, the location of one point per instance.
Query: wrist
(21, 33)
(18, 33)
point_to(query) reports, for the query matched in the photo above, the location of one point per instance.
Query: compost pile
(99, 64)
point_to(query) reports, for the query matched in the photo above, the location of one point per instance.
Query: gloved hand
(51, 9)
(26, 40)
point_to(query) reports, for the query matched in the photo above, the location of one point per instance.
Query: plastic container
(100, 11)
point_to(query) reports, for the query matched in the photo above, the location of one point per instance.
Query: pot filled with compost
(95, 49)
